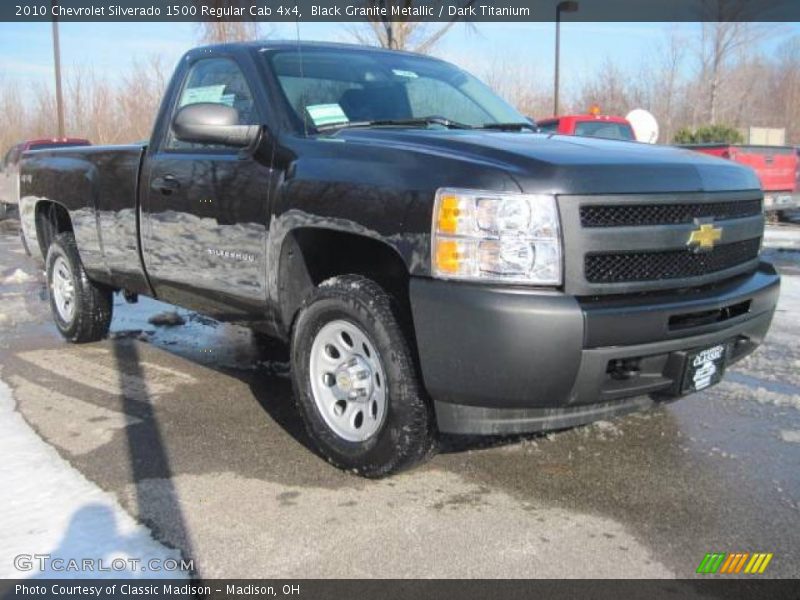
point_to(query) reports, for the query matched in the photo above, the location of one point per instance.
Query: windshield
(328, 87)
(604, 129)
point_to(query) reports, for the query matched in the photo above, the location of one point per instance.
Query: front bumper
(500, 360)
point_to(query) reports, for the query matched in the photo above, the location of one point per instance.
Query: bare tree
(612, 89)
(13, 114)
(785, 89)
(516, 83)
(97, 108)
(221, 32)
(139, 95)
(754, 90)
(720, 41)
(666, 86)
(717, 43)
(402, 32)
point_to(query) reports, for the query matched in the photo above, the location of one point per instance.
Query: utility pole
(565, 6)
(57, 64)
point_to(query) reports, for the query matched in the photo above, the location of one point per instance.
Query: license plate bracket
(704, 368)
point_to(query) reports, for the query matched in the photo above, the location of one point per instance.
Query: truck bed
(98, 185)
(776, 166)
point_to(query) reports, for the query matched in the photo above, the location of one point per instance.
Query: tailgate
(776, 166)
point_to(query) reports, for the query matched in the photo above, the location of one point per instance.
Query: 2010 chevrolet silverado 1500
(434, 263)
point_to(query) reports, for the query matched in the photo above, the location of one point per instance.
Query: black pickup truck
(434, 263)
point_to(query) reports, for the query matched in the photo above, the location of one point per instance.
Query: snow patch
(764, 396)
(48, 507)
(791, 435)
(782, 237)
(18, 276)
(601, 430)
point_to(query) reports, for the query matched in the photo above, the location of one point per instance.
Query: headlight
(499, 237)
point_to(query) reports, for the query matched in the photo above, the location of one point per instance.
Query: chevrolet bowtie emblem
(705, 237)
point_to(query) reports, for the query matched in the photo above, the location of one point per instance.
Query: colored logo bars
(734, 563)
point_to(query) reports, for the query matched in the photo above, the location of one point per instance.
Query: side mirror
(209, 123)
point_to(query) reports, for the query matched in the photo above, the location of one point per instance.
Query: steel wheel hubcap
(62, 287)
(347, 381)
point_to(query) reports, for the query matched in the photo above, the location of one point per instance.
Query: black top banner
(401, 10)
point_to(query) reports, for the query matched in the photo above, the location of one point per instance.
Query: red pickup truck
(591, 125)
(777, 167)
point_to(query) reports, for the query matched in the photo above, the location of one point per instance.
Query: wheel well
(310, 256)
(51, 219)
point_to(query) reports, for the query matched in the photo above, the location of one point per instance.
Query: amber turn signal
(447, 219)
(447, 256)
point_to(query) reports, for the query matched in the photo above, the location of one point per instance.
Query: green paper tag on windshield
(326, 114)
(206, 93)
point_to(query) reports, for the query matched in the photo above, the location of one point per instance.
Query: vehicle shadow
(272, 389)
(269, 380)
(147, 454)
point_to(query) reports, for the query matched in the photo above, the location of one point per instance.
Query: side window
(219, 81)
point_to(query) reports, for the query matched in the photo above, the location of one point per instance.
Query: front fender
(289, 280)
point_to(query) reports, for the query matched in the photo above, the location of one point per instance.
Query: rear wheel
(355, 382)
(24, 241)
(81, 308)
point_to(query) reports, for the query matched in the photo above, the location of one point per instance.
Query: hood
(571, 165)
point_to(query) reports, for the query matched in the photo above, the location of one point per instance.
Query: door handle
(166, 184)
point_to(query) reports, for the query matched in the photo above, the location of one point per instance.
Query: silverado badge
(705, 237)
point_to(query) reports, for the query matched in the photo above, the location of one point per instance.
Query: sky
(108, 48)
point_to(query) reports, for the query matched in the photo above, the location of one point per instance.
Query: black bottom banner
(388, 589)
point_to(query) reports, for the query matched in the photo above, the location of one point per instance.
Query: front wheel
(81, 308)
(355, 381)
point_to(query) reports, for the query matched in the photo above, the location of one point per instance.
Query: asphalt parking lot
(199, 440)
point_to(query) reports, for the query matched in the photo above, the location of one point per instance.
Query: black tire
(92, 312)
(24, 241)
(407, 433)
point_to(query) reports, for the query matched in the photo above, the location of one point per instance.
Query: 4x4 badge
(705, 236)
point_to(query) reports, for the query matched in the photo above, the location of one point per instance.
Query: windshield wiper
(432, 120)
(510, 126)
(415, 122)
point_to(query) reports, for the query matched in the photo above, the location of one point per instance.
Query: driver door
(205, 213)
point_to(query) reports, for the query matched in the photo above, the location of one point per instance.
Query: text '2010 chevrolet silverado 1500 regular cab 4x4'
(435, 264)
